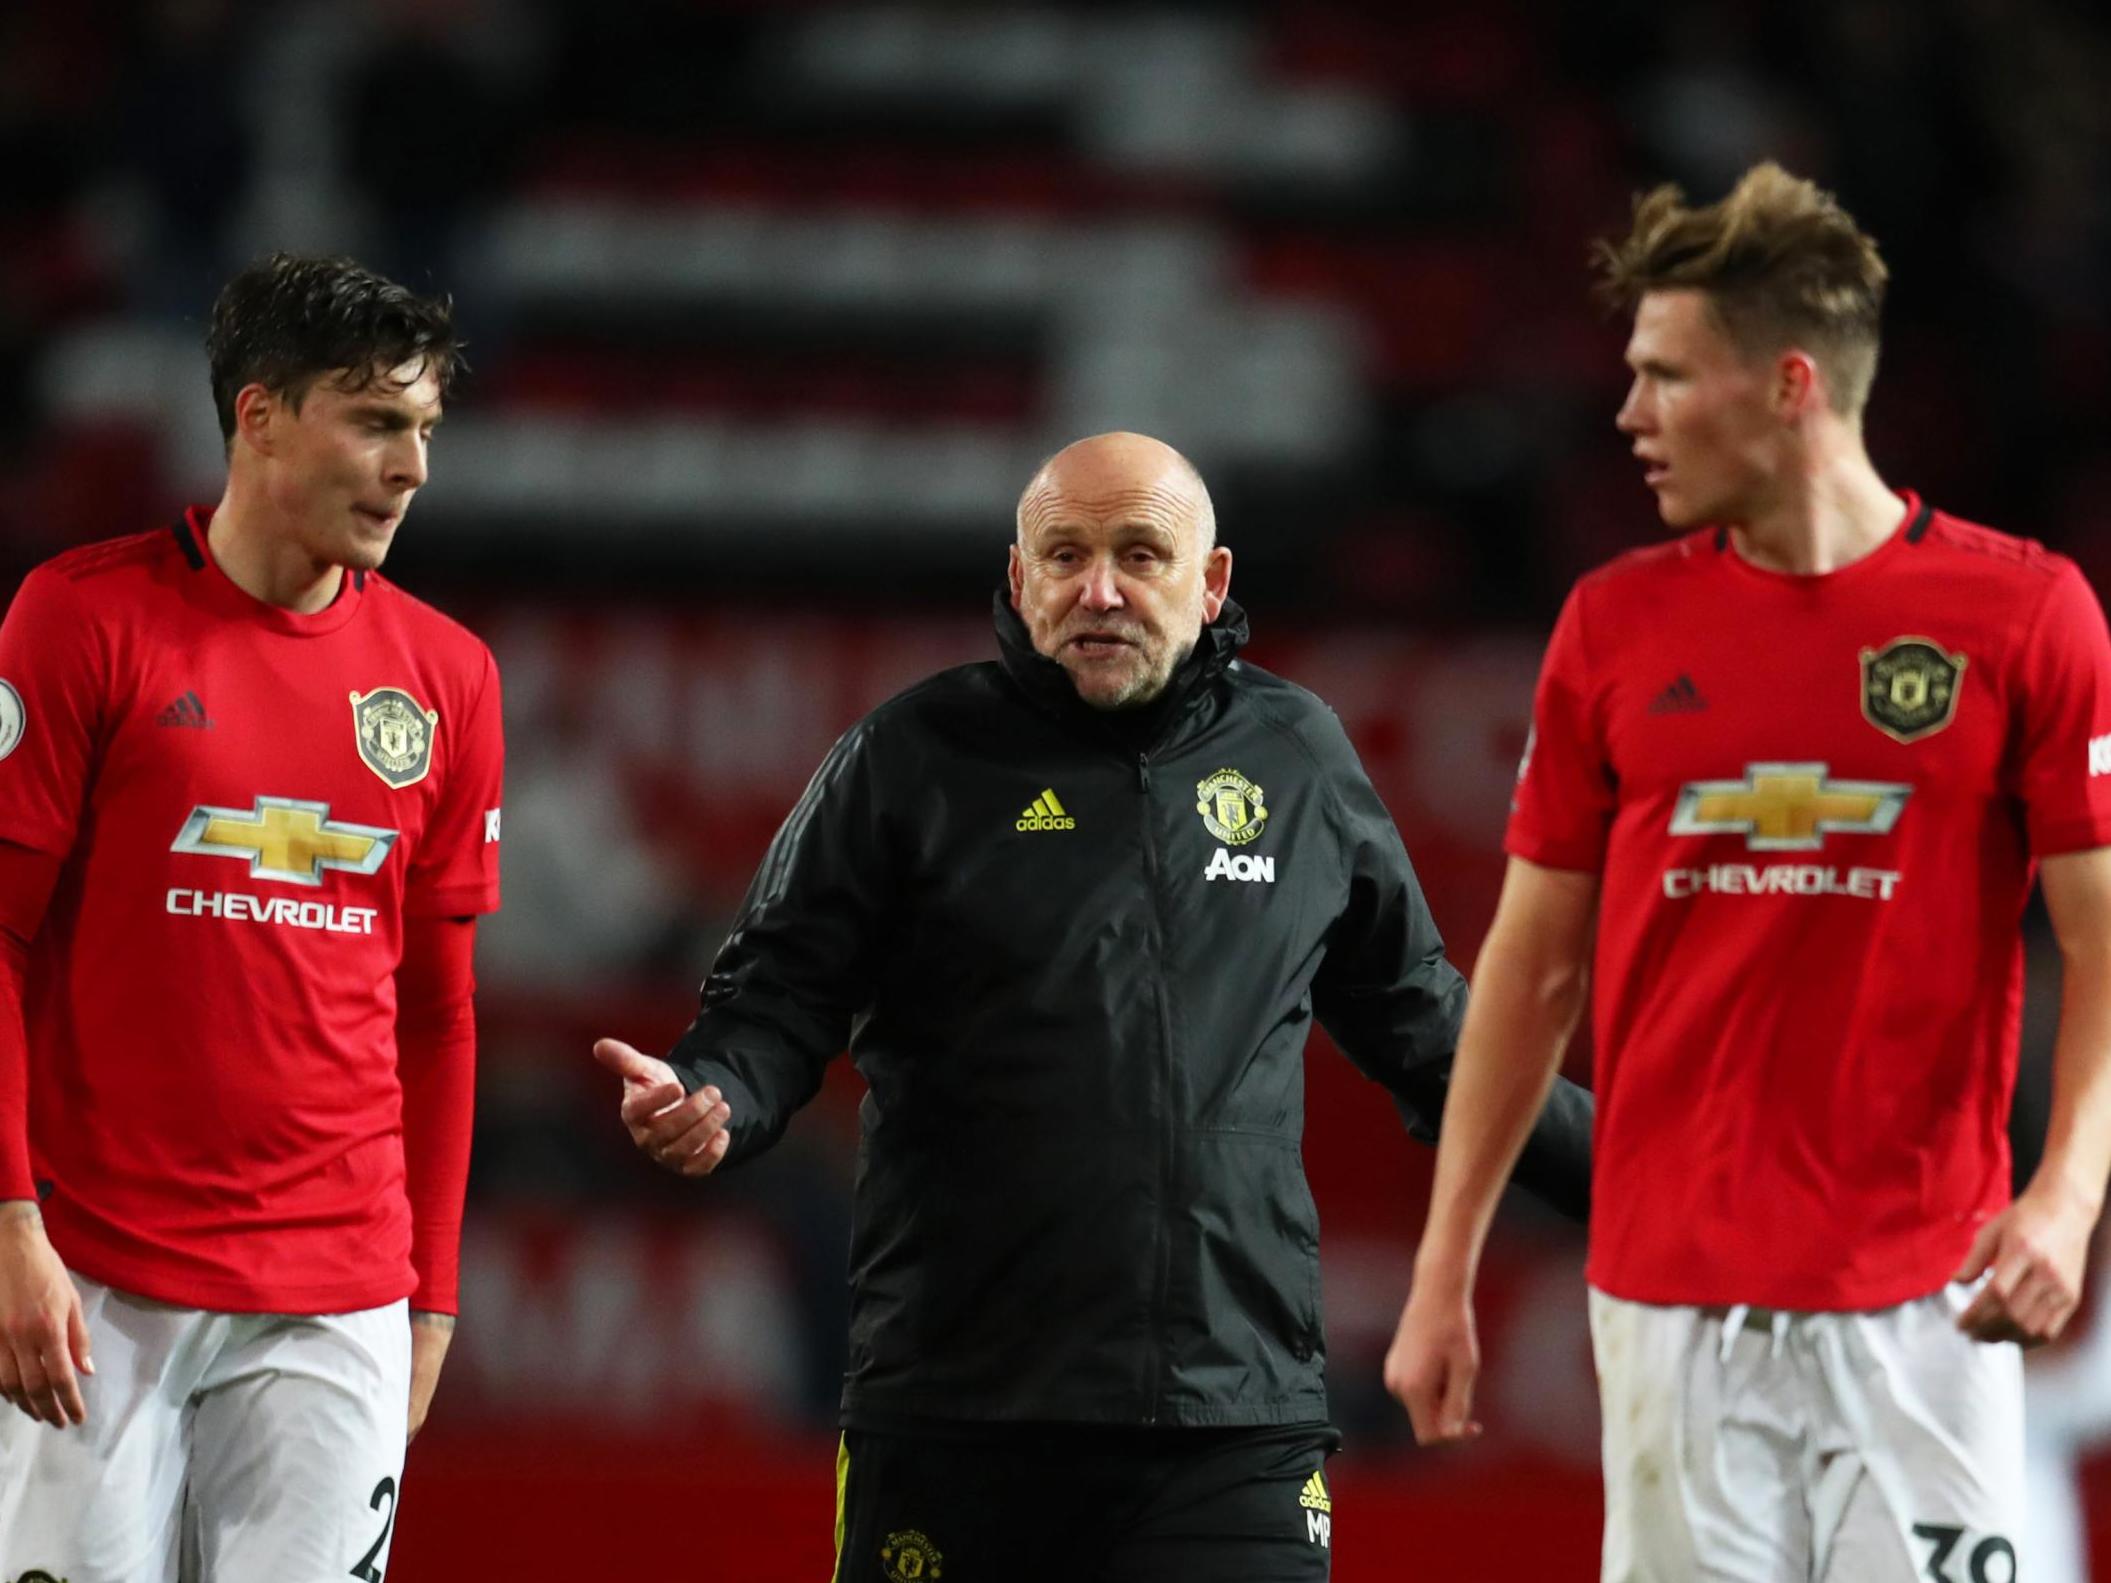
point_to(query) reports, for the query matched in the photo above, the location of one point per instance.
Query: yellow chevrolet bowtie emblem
(285, 839)
(1788, 807)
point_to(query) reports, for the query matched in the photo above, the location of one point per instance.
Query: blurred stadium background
(774, 307)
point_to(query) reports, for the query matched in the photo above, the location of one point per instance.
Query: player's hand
(430, 1335)
(43, 1336)
(684, 1132)
(1434, 1361)
(2033, 1255)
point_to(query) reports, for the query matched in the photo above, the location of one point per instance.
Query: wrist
(2076, 1191)
(1445, 1264)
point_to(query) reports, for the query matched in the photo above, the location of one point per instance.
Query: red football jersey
(249, 802)
(1815, 802)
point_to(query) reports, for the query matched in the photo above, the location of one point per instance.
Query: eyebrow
(395, 416)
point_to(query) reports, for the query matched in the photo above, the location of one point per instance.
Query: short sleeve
(2063, 724)
(52, 693)
(455, 872)
(1563, 810)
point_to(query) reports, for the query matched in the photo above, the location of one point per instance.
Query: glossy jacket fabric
(1077, 955)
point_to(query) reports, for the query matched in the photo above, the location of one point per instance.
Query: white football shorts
(1754, 1446)
(234, 1448)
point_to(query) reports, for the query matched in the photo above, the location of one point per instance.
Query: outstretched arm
(1394, 1003)
(792, 976)
(1528, 993)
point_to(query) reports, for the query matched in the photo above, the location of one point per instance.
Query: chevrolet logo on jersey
(1788, 807)
(285, 839)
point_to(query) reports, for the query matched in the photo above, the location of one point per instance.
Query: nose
(1632, 418)
(407, 462)
(1101, 589)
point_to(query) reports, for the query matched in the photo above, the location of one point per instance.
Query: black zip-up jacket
(1076, 955)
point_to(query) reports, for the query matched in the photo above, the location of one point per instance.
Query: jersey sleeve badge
(14, 719)
(395, 734)
(1910, 688)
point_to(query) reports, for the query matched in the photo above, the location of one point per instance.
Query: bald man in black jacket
(1073, 910)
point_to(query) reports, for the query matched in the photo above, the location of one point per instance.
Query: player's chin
(1122, 685)
(1677, 512)
(365, 550)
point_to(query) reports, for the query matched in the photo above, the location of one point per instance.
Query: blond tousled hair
(1780, 261)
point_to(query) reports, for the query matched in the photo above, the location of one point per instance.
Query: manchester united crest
(909, 1557)
(395, 734)
(1231, 807)
(1910, 688)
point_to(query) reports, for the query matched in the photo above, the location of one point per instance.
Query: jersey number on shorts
(1946, 1538)
(364, 1568)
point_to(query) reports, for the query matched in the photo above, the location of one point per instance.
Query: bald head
(1116, 467)
(1117, 566)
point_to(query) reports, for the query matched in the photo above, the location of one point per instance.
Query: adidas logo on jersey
(1047, 813)
(189, 710)
(1680, 698)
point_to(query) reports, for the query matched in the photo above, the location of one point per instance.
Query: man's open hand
(684, 1132)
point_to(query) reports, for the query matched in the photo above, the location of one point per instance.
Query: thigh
(1702, 1430)
(297, 1449)
(1934, 1422)
(99, 1502)
(1252, 1507)
(915, 1509)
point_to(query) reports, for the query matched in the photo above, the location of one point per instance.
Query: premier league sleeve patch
(1910, 688)
(14, 719)
(395, 734)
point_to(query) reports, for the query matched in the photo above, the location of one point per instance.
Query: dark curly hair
(1779, 259)
(287, 321)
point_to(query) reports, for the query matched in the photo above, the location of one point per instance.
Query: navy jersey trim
(1917, 529)
(188, 542)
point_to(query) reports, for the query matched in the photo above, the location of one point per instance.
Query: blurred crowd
(749, 281)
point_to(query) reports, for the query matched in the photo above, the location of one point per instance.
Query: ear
(1799, 388)
(1216, 582)
(257, 413)
(1015, 574)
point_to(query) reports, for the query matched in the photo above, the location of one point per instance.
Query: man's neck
(1825, 515)
(267, 563)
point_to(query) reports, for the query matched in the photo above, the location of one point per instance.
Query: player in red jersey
(249, 799)
(1794, 769)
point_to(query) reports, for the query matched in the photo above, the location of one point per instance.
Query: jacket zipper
(1166, 1173)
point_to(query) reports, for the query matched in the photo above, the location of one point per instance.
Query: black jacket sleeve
(799, 965)
(1394, 1004)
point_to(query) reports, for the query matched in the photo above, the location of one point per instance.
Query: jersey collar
(219, 592)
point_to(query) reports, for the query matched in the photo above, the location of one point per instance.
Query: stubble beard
(1156, 661)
